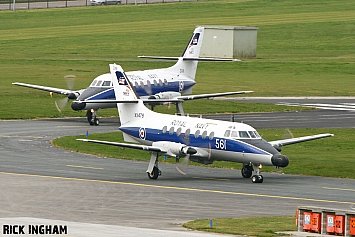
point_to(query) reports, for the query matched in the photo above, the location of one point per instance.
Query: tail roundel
(122, 86)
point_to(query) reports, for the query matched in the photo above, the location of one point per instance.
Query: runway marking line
(181, 188)
(85, 167)
(340, 189)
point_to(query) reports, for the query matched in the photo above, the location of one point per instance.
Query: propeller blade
(70, 79)
(184, 163)
(61, 104)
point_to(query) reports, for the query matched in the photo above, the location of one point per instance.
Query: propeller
(286, 135)
(60, 104)
(184, 164)
(186, 160)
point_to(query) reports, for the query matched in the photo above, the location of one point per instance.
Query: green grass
(324, 157)
(303, 49)
(251, 226)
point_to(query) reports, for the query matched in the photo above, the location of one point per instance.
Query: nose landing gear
(91, 116)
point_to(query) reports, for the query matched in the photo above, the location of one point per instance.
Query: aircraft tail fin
(130, 107)
(192, 51)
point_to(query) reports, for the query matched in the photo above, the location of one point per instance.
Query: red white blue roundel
(142, 133)
(181, 88)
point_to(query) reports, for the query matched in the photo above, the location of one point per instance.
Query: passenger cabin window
(142, 84)
(165, 128)
(148, 83)
(197, 133)
(187, 134)
(204, 134)
(171, 131)
(106, 83)
(178, 132)
(136, 84)
(166, 82)
(243, 134)
(227, 133)
(211, 136)
(160, 83)
(155, 82)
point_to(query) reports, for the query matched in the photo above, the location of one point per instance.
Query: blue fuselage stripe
(216, 143)
(109, 93)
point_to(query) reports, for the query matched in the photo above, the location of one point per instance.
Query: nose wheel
(92, 119)
(257, 179)
(247, 172)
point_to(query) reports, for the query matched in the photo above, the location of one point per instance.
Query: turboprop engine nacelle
(175, 149)
(165, 95)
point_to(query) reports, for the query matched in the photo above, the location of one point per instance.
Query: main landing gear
(153, 170)
(247, 172)
(155, 173)
(91, 116)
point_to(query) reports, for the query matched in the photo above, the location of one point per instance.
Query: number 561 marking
(221, 144)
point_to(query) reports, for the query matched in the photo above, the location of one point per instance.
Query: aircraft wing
(126, 145)
(45, 88)
(291, 141)
(193, 59)
(108, 101)
(202, 96)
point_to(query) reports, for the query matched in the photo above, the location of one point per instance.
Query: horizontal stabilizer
(193, 59)
(126, 145)
(290, 141)
(202, 96)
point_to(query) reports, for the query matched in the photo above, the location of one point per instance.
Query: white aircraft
(164, 83)
(197, 139)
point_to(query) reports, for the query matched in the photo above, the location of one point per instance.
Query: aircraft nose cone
(279, 160)
(78, 105)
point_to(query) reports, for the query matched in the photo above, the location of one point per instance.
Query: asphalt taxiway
(42, 182)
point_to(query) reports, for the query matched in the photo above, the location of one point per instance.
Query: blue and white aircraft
(164, 83)
(200, 140)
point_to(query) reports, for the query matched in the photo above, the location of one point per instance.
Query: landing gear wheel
(247, 171)
(257, 179)
(155, 173)
(96, 122)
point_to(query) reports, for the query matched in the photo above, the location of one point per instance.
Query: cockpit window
(98, 83)
(106, 83)
(234, 134)
(227, 133)
(254, 134)
(243, 134)
(93, 83)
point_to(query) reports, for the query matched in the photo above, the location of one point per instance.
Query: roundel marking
(142, 133)
(181, 88)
